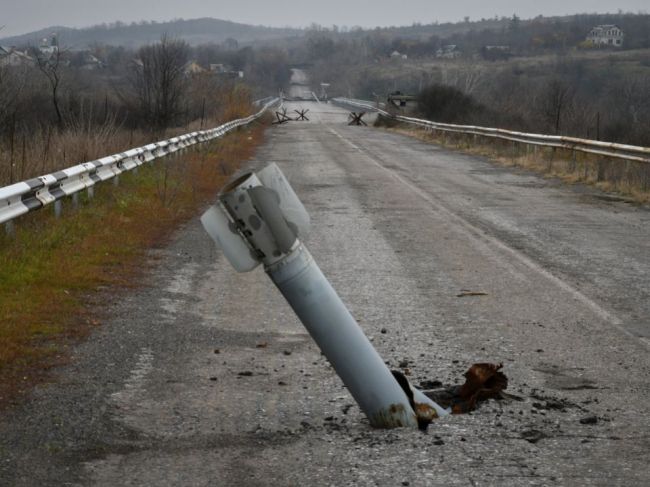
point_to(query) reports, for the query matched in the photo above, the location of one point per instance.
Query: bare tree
(9, 90)
(555, 101)
(158, 81)
(50, 65)
(467, 79)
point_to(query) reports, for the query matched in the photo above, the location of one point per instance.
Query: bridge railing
(605, 149)
(34, 194)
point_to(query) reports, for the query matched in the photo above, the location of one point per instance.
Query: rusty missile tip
(425, 415)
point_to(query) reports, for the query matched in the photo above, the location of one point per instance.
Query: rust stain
(396, 416)
(425, 414)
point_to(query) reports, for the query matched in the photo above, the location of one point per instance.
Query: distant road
(205, 377)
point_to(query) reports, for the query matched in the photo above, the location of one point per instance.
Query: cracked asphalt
(204, 377)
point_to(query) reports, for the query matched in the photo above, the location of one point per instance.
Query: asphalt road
(204, 377)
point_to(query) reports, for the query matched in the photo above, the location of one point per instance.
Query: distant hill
(195, 31)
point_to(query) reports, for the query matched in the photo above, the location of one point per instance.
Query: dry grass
(47, 150)
(53, 271)
(627, 178)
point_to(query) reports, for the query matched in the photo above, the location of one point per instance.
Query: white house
(606, 35)
(193, 67)
(10, 56)
(449, 51)
(89, 62)
(48, 47)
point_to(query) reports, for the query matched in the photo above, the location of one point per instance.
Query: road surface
(204, 377)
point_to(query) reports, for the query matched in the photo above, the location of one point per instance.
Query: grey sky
(21, 16)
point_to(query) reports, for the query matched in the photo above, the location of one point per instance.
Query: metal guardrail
(33, 194)
(264, 101)
(605, 149)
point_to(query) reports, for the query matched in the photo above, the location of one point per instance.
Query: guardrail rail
(34, 194)
(605, 149)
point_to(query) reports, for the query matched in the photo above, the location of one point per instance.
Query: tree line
(557, 88)
(56, 110)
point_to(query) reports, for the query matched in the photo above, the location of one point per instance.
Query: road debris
(589, 420)
(465, 293)
(533, 436)
(483, 381)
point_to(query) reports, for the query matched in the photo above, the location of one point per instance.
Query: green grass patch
(53, 271)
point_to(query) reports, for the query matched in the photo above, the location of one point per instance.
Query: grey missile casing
(262, 223)
(341, 340)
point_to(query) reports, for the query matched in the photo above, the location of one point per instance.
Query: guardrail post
(258, 220)
(116, 180)
(58, 208)
(75, 200)
(91, 192)
(10, 229)
(574, 155)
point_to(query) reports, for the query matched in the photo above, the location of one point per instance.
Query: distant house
(498, 48)
(90, 62)
(50, 46)
(220, 68)
(10, 56)
(449, 51)
(193, 68)
(606, 35)
(398, 55)
(225, 71)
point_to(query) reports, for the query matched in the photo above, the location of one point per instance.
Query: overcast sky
(22, 16)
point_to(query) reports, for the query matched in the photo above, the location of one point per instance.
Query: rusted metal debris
(356, 118)
(482, 382)
(465, 292)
